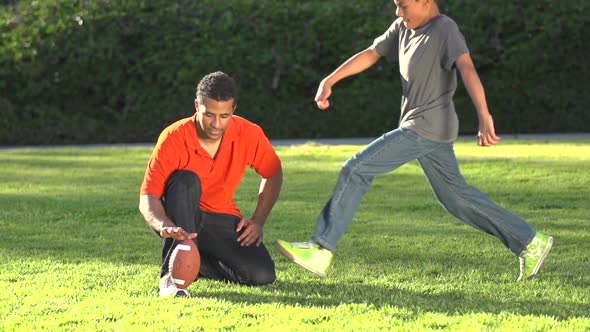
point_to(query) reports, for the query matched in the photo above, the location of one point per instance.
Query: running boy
(429, 48)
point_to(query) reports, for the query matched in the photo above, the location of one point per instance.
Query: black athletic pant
(222, 257)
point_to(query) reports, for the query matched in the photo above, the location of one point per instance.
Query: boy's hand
(487, 134)
(322, 95)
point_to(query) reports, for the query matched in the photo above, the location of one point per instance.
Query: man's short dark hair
(218, 86)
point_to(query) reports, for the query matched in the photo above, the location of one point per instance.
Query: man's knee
(181, 199)
(183, 183)
(263, 274)
(184, 177)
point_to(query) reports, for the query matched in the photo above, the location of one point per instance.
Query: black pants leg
(222, 257)
(181, 202)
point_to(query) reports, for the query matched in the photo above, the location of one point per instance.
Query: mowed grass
(75, 254)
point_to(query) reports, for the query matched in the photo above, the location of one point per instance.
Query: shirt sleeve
(388, 43)
(265, 160)
(455, 45)
(161, 164)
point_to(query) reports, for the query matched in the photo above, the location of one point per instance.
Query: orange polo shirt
(178, 148)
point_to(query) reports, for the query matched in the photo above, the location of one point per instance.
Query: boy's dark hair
(219, 86)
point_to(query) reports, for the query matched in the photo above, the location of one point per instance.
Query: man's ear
(196, 105)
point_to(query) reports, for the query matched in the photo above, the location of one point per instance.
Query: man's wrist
(166, 225)
(258, 220)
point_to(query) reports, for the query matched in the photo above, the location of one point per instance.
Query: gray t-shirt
(426, 58)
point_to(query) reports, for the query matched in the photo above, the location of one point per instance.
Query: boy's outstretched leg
(474, 208)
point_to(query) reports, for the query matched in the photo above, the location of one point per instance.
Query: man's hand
(176, 233)
(251, 233)
(487, 134)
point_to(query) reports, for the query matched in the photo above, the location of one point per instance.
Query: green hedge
(99, 71)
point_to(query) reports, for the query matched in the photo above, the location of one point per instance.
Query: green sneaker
(307, 254)
(533, 256)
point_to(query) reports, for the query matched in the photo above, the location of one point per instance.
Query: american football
(185, 263)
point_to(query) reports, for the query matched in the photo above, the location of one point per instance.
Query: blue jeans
(438, 161)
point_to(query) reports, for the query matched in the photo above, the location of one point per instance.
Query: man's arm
(487, 133)
(268, 195)
(155, 216)
(354, 65)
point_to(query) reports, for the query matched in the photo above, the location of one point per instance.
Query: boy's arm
(354, 65)
(487, 133)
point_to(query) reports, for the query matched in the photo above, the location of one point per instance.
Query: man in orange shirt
(189, 184)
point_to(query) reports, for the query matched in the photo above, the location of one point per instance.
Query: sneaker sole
(178, 293)
(542, 259)
(301, 263)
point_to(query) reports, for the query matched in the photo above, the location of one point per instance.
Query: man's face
(414, 12)
(213, 117)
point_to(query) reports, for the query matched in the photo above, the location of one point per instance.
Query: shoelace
(534, 248)
(304, 245)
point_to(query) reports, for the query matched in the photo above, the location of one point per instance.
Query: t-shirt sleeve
(455, 45)
(265, 160)
(161, 164)
(387, 44)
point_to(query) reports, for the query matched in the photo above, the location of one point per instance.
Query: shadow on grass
(324, 294)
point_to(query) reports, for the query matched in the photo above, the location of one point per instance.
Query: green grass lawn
(75, 253)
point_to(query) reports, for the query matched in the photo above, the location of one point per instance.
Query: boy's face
(213, 117)
(414, 12)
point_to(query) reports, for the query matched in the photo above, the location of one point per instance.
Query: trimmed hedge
(100, 71)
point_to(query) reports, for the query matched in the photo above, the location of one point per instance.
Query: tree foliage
(90, 71)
